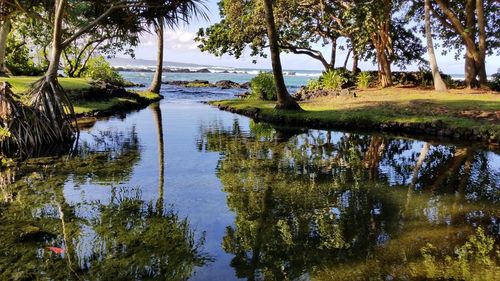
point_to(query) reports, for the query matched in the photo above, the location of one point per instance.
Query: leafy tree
(300, 24)
(470, 28)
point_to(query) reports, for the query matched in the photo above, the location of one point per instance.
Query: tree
(472, 25)
(301, 24)
(439, 84)
(168, 14)
(46, 95)
(285, 101)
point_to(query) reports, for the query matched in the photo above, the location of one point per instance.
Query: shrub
(364, 79)
(100, 69)
(314, 84)
(495, 82)
(263, 87)
(332, 80)
(19, 61)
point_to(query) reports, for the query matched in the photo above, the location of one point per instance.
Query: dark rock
(203, 70)
(227, 84)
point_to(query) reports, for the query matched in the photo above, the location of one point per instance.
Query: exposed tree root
(46, 121)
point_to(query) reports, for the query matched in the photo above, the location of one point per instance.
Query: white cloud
(180, 40)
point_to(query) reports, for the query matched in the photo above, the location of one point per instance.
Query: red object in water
(56, 250)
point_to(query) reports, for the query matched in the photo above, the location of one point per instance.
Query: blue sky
(181, 47)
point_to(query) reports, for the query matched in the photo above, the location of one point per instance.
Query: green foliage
(263, 87)
(477, 259)
(332, 80)
(313, 85)
(99, 69)
(18, 59)
(364, 79)
(495, 82)
(4, 133)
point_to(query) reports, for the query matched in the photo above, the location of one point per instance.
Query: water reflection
(345, 206)
(119, 236)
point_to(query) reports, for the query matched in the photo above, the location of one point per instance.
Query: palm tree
(172, 13)
(285, 101)
(439, 85)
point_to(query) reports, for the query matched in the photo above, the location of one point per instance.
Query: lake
(181, 190)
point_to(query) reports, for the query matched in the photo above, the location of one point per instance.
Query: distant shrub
(364, 80)
(100, 70)
(332, 80)
(19, 61)
(263, 87)
(495, 82)
(313, 85)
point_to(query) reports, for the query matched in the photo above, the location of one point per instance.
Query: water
(215, 196)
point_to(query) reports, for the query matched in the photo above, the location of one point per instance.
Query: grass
(457, 109)
(21, 84)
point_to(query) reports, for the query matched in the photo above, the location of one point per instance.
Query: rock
(227, 84)
(245, 85)
(203, 70)
(176, 83)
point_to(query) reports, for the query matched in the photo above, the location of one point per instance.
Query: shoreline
(434, 127)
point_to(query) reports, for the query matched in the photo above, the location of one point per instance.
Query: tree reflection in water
(348, 206)
(123, 239)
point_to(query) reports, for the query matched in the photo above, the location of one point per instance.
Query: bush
(19, 61)
(263, 87)
(364, 80)
(495, 82)
(313, 85)
(99, 69)
(332, 80)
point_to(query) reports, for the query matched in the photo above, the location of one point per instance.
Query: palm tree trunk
(4, 33)
(285, 101)
(156, 83)
(161, 155)
(439, 84)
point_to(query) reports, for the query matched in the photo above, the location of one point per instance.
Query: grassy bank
(98, 106)
(457, 114)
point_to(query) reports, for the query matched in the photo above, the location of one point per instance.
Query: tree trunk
(156, 83)
(383, 47)
(285, 101)
(470, 69)
(439, 84)
(384, 68)
(480, 63)
(355, 59)
(4, 33)
(347, 58)
(161, 155)
(55, 56)
(334, 54)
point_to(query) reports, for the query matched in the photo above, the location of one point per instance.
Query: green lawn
(21, 84)
(455, 108)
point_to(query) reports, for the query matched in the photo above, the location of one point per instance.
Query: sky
(181, 47)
